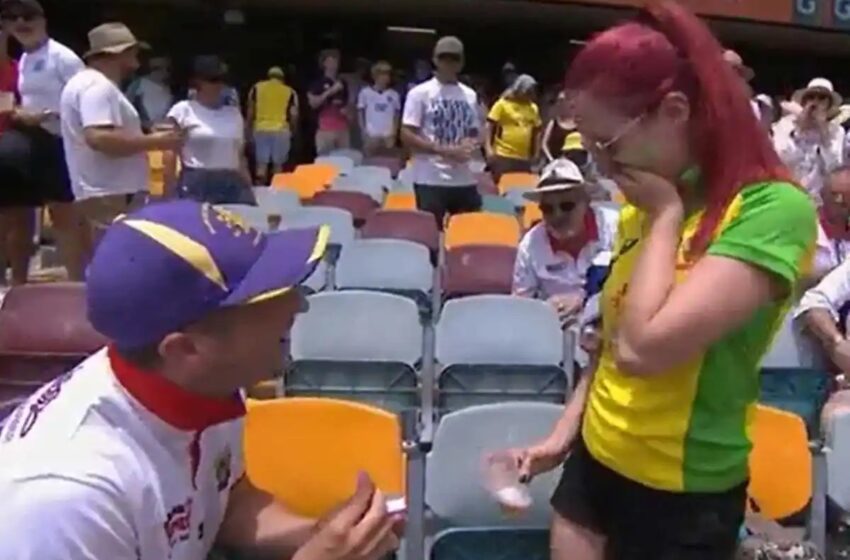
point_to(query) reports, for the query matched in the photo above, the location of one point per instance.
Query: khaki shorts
(330, 140)
(98, 213)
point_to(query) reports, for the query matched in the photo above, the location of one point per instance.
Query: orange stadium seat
(531, 214)
(308, 452)
(305, 186)
(156, 166)
(780, 463)
(400, 201)
(482, 228)
(319, 172)
(517, 180)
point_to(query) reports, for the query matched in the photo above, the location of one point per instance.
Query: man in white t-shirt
(105, 147)
(136, 454)
(378, 107)
(441, 125)
(44, 69)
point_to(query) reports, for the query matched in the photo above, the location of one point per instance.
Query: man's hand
(568, 306)
(170, 140)
(361, 529)
(460, 153)
(29, 118)
(840, 354)
(336, 88)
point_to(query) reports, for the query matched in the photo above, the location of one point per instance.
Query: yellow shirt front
(515, 123)
(272, 99)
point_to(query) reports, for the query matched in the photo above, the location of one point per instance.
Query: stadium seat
(358, 204)
(254, 216)
(342, 163)
(497, 205)
(308, 452)
(355, 156)
(478, 269)
(340, 222)
(391, 265)
(305, 186)
(372, 174)
(394, 164)
(482, 228)
(454, 491)
(44, 332)
(281, 180)
(357, 345)
(400, 201)
(780, 463)
(531, 215)
(317, 281)
(484, 356)
(361, 184)
(156, 173)
(276, 202)
(486, 185)
(483, 543)
(412, 225)
(323, 173)
(838, 460)
(517, 181)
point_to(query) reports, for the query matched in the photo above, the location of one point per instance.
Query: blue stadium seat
(342, 162)
(498, 205)
(358, 345)
(340, 222)
(494, 348)
(356, 156)
(374, 187)
(276, 201)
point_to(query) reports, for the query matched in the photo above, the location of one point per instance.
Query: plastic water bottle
(503, 483)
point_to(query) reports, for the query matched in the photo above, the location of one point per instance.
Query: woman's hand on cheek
(649, 192)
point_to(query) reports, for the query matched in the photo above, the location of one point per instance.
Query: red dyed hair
(634, 65)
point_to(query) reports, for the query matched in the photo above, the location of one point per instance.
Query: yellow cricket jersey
(272, 105)
(515, 123)
(685, 430)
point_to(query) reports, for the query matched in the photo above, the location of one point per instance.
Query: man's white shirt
(90, 473)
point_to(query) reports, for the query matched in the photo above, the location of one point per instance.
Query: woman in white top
(565, 258)
(213, 165)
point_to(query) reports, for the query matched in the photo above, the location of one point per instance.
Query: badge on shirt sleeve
(222, 470)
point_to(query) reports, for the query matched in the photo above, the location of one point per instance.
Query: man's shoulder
(425, 88)
(532, 238)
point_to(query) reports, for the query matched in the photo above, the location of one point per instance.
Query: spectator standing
(557, 129)
(151, 93)
(105, 147)
(809, 143)
(45, 68)
(272, 116)
(564, 259)
(440, 125)
(378, 108)
(513, 129)
(137, 453)
(14, 157)
(213, 164)
(328, 96)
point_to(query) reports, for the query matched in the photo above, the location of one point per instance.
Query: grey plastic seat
(391, 265)
(454, 474)
(494, 348)
(362, 184)
(343, 163)
(359, 345)
(254, 216)
(356, 156)
(340, 221)
(276, 201)
(317, 281)
(373, 173)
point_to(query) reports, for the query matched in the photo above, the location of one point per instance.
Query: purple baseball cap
(168, 265)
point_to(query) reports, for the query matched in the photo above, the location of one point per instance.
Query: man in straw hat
(808, 142)
(105, 147)
(137, 452)
(565, 258)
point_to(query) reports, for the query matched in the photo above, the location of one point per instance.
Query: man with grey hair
(513, 129)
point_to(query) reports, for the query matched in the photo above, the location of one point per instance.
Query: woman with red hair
(710, 246)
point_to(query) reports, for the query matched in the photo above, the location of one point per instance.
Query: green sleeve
(775, 229)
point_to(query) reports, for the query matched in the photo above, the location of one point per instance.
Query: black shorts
(641, 523)
(500, 165)
(440, 200)
(33, 171)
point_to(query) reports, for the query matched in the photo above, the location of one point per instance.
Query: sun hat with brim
(112, 38)
(559, 176)
(818, 85)
(169, 265)
(573, 142)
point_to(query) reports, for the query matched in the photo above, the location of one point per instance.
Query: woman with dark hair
(710, 246)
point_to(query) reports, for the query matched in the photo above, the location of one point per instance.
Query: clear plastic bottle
(502, 481)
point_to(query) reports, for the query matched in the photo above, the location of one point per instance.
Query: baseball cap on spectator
(167, 266)
(209, 67)
(448, 45)
(10, 8)
(559, 176)
(275, 72)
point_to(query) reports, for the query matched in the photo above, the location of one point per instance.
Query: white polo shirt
(42, 75)
(830, 252)
(111, 462)
(91, 100)
(542, 272)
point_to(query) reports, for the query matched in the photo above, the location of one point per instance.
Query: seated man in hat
(565, 258)
(136, 454)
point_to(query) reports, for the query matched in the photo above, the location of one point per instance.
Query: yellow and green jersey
(685, 430)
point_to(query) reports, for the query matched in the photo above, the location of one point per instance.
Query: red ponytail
(634, 65)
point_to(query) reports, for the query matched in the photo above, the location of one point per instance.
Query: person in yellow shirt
(272, 113)
(513, 129)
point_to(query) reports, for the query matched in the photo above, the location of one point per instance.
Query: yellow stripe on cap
(195, 254)
(318, 252)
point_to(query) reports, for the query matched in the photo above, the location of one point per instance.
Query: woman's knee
(570, 541)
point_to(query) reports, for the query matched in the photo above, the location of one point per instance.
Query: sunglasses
(605, 147)
(20, 16)
(817, 97)
(448, 57)
(565, 207)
